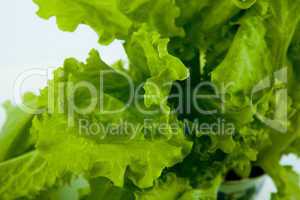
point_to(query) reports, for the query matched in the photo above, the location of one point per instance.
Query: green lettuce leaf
(14, 136)
(169, 188)
(140, 159)
(71, 151)
(281, 23)
(159, 67)
(102, 188)
(248, 60)
(63, 147)
(103, 16)
(75, 190)
(172, 187)
(112, 19)
(287, 182)
(25, 176)
(210, 193)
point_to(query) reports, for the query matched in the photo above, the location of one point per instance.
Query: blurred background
(28, 42)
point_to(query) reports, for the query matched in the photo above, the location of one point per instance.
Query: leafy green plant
(237, 60)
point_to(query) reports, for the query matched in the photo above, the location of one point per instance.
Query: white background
(28, 42)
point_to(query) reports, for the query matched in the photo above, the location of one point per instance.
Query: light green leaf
(149, 55)
(102, 188)
(171, 188)
(14, 136)
(112, 19)
(26, 176)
